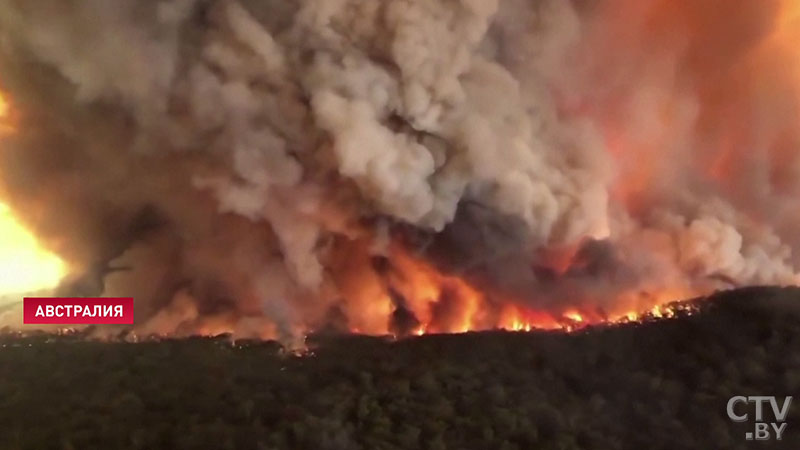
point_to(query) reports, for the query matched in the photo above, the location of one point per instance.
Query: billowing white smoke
(311, 118)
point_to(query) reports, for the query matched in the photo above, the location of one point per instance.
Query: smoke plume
(274, 167)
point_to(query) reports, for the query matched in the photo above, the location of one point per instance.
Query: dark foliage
(659, 385)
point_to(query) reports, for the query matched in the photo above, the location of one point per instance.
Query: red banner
(76, 311)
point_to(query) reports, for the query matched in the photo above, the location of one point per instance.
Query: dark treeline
(658, 385)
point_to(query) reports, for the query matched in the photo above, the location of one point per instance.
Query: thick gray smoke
(225, 152)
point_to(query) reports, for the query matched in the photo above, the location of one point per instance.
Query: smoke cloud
(274, 167)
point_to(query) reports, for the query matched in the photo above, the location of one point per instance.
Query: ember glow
(449, 304)
(24, 265)
(405, 167)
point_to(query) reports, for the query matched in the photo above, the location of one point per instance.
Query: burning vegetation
(277, 168)
(664, 385)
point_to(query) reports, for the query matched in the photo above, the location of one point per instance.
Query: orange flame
(24, 265)
(445, 303)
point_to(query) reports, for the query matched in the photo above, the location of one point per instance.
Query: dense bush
(658, 385)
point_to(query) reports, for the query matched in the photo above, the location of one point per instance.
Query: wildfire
(660, 163)
(574, 321)
(24, 265)
(446, 303)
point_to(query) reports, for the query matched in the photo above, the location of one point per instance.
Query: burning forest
(276, 168)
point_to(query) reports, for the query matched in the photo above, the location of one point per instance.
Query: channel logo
(764, 429)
